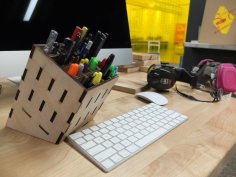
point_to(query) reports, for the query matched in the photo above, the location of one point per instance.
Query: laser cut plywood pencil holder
(50, 104)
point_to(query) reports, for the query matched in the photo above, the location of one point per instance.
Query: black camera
(164, 76)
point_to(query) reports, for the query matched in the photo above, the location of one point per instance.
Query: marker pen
(84, 32)
(101, 43)
(95, 44)
(75, 33)
(85, 49)
(97, 77)
(107, 64)
(101, 64)
(93, 64)
(73, 69)
(69, 44)
(50, 41)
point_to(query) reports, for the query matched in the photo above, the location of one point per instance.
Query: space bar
(151, 137)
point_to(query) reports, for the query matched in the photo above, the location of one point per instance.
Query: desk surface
(199, 147)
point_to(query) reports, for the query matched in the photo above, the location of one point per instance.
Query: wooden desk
(199, 147)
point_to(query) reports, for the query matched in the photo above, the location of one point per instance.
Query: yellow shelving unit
(160, 20)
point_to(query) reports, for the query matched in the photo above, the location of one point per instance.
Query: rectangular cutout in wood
(53, 116)
(41, 106)
(59, 138)
(89, 102)
(39, 73)
(70, 118)
(63, 96)
(104, 93)
(43, 129)
(24, 74)
(51, 84)
(86, 116)
(31, 95)
(77, 122)
(17, 94)
(23, 109)
(97, 98)
(11, 112)
(82, 96)
(94, 110)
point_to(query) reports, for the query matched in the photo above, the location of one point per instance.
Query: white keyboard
(110, 143)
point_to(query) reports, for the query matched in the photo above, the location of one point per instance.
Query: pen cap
(73, 69)
(93, 63)
(97, 77)
(75, 33)
(113, 70)
(84, 31)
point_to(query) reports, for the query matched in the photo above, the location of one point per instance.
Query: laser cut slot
(53, 116)
(41, 106)
(63, 96)
(70, 118)
(39, 73)
(11, 112)
(24, 74)
(51, 84)
(94, 110)
(59, 138)
(43, 129)
(77, 122)
(97, 98)
(100, 105)
(23, 109)
(86, 116)
(82, 96)
(31, 95)
(104, 93)
(89, 102)
(17, 94)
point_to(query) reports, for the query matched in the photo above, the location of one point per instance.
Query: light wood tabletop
(199, 147)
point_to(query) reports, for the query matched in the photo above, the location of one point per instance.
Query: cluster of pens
(77, 56)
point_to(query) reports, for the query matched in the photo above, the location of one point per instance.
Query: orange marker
(73, 69)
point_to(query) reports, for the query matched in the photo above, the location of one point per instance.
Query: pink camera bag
(226, 77)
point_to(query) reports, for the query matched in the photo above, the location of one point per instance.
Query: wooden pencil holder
(50, 104)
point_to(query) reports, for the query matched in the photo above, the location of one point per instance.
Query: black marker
(100, 45)
(107, 65)
(69, 44)
(95, 44)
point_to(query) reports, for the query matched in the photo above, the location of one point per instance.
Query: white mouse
(153, 97)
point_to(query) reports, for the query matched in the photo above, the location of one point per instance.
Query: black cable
(215, 97)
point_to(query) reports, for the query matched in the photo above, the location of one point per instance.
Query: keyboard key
(124, 153)
(96, 149)
(116, 158)
(149, 138)
(118, 147)
(104, 154)
(107, 163)
(77, 135)
(88, 145)
(132, 148)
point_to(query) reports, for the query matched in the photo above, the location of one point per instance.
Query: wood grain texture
(131, 82)
(197, 148)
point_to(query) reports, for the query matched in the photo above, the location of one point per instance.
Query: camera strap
(215, 94)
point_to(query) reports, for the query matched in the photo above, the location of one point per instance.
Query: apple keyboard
(114, 141)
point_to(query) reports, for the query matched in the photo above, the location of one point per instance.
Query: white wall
(12, 63)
